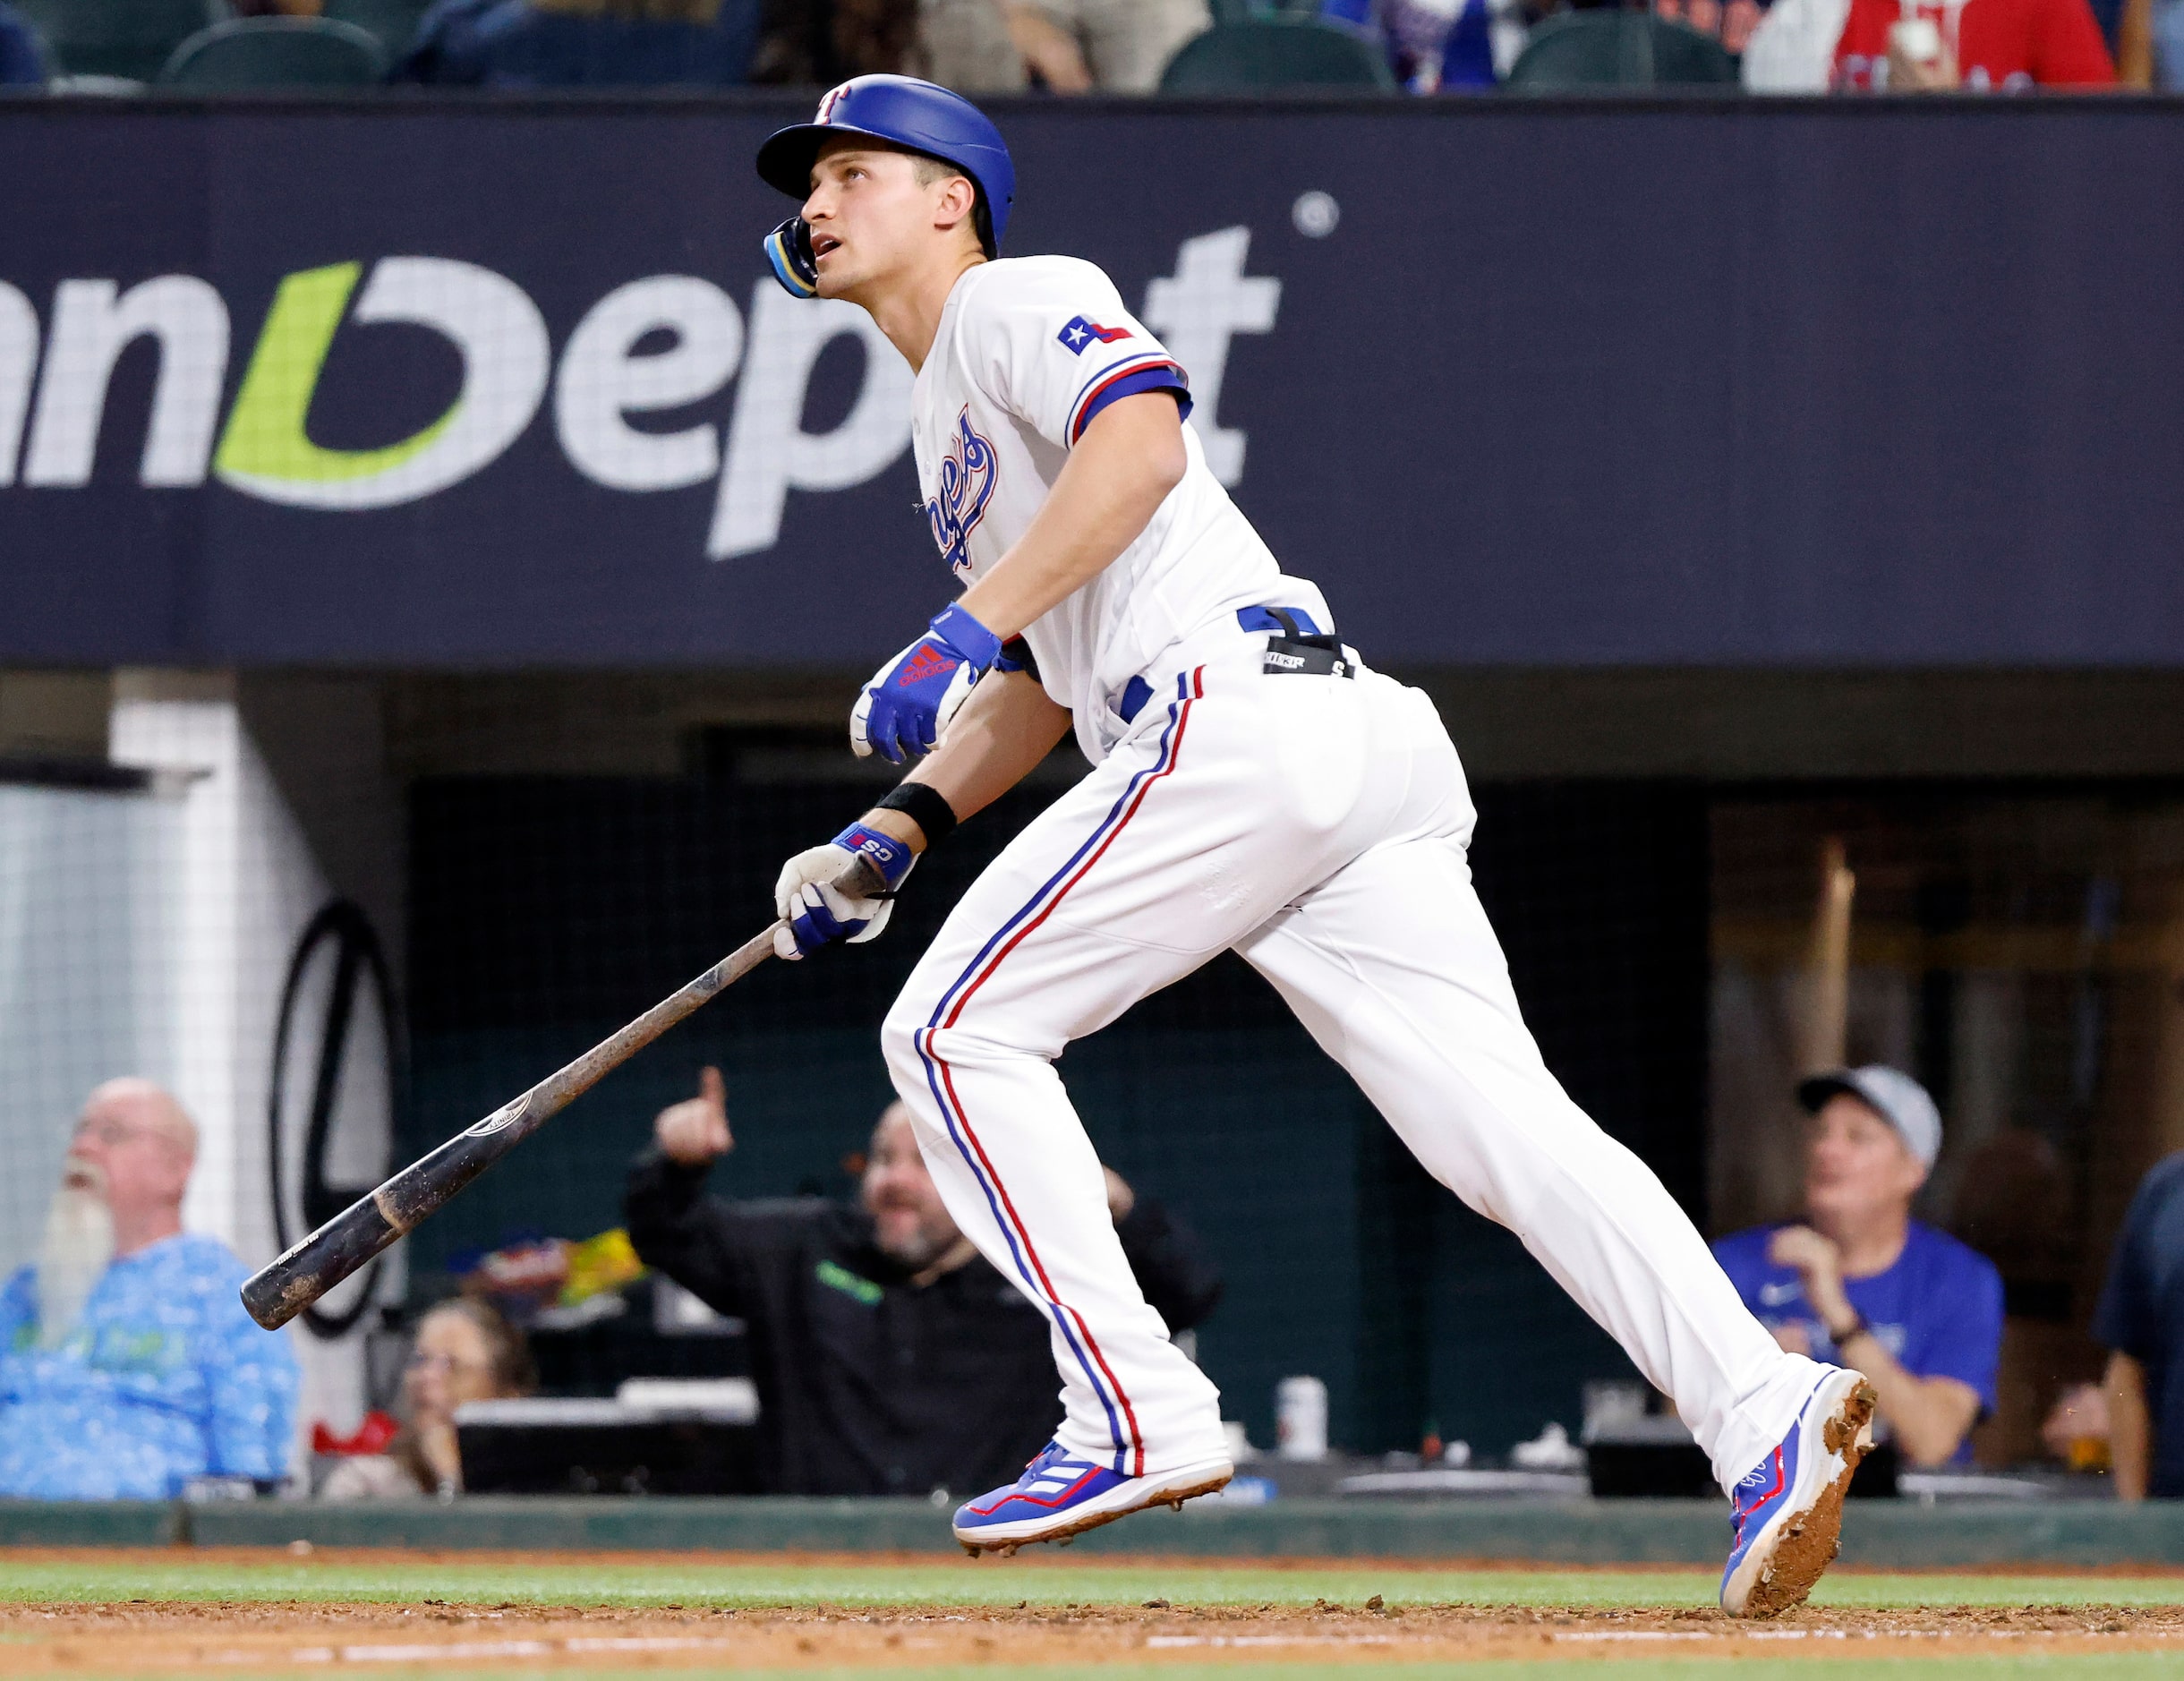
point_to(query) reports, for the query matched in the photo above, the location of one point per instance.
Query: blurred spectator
(2077, 1431)
(1730, 21)
(22, 63)
(2150, 45)
(1112, 46)
(1066, 45)
(1438, 46)
(2140, 1320)
(582, 44)
(818, 43)
(1791, 48)
(889, 1357)
(464, 1352)
(1861, 1283)
(128, 1366)
(1983, 45)
(971, 46)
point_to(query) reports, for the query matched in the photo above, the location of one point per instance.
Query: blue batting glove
(910, 699)
(817, 911)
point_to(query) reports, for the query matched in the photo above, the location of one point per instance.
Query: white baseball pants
(1317, 826)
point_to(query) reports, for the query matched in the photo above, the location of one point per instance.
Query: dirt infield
(184, 1610)
(160, 1638)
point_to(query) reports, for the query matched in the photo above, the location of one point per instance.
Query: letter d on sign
(769, 452)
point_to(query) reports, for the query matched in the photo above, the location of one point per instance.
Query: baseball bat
(290, 1283)
(1828, 1016)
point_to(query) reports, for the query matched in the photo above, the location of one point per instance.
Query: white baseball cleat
(1787, 1514)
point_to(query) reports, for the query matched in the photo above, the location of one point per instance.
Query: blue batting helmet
(921, 116)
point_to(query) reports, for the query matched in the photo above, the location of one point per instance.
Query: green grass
(739, 1582)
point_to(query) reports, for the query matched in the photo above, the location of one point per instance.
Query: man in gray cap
(1861, 1282)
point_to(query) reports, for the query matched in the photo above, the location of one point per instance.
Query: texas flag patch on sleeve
(1079, 332)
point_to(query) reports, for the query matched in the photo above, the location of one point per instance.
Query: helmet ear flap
(788, 249)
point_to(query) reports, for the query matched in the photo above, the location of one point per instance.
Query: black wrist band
(1017, 653)
(923, 806)
(1858, 1328)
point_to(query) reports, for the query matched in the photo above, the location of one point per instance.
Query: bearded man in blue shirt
(128, 1366)
(1860, 1282)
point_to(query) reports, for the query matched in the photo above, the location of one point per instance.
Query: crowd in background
(1131, 46)
(890, 1358)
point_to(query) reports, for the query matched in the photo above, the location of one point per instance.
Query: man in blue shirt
(127, 1364)
(1862, 1282)
(2140, 1319)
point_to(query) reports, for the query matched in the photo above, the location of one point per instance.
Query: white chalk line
(1170, 1641)
(452, 1651)
(1864, 1633)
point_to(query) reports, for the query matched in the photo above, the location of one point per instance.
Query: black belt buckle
(1294, 652)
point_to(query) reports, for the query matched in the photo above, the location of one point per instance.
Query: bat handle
(862, 879)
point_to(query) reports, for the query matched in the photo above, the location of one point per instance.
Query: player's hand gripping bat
(287, 1286)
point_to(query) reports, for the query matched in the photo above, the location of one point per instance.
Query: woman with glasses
(464, 1351)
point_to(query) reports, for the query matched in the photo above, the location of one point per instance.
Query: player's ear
(958, 199)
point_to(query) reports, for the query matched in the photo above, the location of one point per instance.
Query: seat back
(250, 53)
(392, 23)
(1619, 48)
(1265, 53)
(116, 37)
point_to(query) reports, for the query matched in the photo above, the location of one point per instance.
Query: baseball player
(1255, 787)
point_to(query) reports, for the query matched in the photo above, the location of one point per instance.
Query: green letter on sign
(265, 438)
(494, 327)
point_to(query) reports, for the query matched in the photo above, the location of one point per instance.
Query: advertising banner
(508, 385)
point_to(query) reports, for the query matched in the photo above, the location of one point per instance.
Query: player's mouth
(822, 245)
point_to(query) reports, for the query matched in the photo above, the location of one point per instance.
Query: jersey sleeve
(251, 1380)
(1048, 339)
(1963, 1337)
(2068, 49)
(1862, 45)
(2127, 1319)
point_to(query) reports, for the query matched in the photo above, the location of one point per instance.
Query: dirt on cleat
(1809, 1545)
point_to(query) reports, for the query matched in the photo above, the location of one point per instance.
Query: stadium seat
(1267, 53)
(129, 38)
(246, 52)
(393, 23)
(1617, 48)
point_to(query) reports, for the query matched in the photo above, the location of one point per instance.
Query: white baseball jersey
(1029, 349)
(1315, 824)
